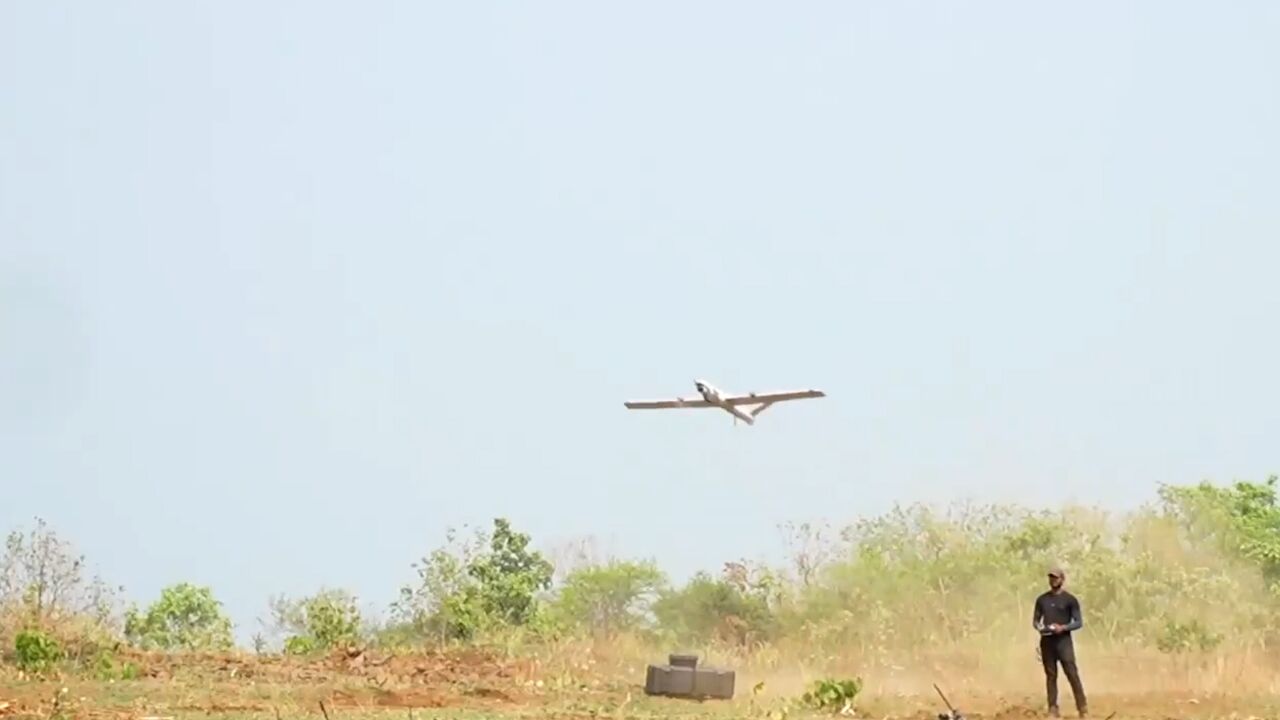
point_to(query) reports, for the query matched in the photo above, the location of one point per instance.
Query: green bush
(831, 694)
(1180, 637)
(709, 609)
(185, 617)
(300, 645)
(106, 667)
(36, 652)
(488, 584)
(609, 598)
(326, 620)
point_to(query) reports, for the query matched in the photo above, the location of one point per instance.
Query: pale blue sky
(290, 287)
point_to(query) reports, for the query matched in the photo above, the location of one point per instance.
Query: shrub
(43, 583)
(490, 583)
(830, 694)
(326, 620)
(1180, 637)
(709, 609)
(185, 617)
(610, 598)
(36, 652)
(106, 666)
(300, 645)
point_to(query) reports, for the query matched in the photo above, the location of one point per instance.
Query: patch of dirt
(384, 669)
(15, 707)
(217, 707)
(393, 699)
(489, 693)
(434, 697)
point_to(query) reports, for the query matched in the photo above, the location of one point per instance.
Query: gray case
(681, 677)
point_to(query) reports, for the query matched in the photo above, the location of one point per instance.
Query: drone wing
(667, 404)
(773, 397)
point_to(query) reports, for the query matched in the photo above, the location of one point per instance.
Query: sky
(289, 289)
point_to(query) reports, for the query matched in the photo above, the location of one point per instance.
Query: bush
(326, 620)
(610, 598)
(43, 583)
(830, 694)
(300, 645)
(185, 617)
(106, 667)
(36, 652)
(708, 609)
(488, 584)
(1179, 637)
(881, 595)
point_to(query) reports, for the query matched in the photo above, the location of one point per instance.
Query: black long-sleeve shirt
(1060, 608)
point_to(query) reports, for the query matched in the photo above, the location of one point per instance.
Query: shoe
(1053, 712)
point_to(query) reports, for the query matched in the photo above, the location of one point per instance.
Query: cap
(1056, 571)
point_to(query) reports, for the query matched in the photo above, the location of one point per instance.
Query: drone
(710, 396)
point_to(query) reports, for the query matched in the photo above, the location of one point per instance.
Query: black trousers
(1055, 650)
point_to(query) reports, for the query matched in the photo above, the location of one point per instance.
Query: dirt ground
(474, 684)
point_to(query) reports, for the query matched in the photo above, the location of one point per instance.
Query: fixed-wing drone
(713, 397)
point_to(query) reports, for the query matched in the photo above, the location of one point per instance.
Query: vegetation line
(1196, 571)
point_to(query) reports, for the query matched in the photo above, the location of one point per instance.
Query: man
(1057, 615)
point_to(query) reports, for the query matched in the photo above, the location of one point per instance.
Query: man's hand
(1055, 628)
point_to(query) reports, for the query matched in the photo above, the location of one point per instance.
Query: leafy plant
(300, 645)
(492, 582)
(185, 617)
(326, 620)
(832, 694)
(36, 652)
(106, 667)
(1243, 519)
(510, 575)
(1180, 637)
(707, 609)
(610, 598)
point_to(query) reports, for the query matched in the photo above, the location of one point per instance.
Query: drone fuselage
(712, 394)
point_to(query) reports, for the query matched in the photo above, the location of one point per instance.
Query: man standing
(1056, 615)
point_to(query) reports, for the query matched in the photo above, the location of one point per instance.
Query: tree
(328, 619)
(812, 547)
(708, 608)
(42, 576)
(1243, 518)
(465, 589)
(185, 617)
(444, 604)
(610, 598)
(510, 575)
